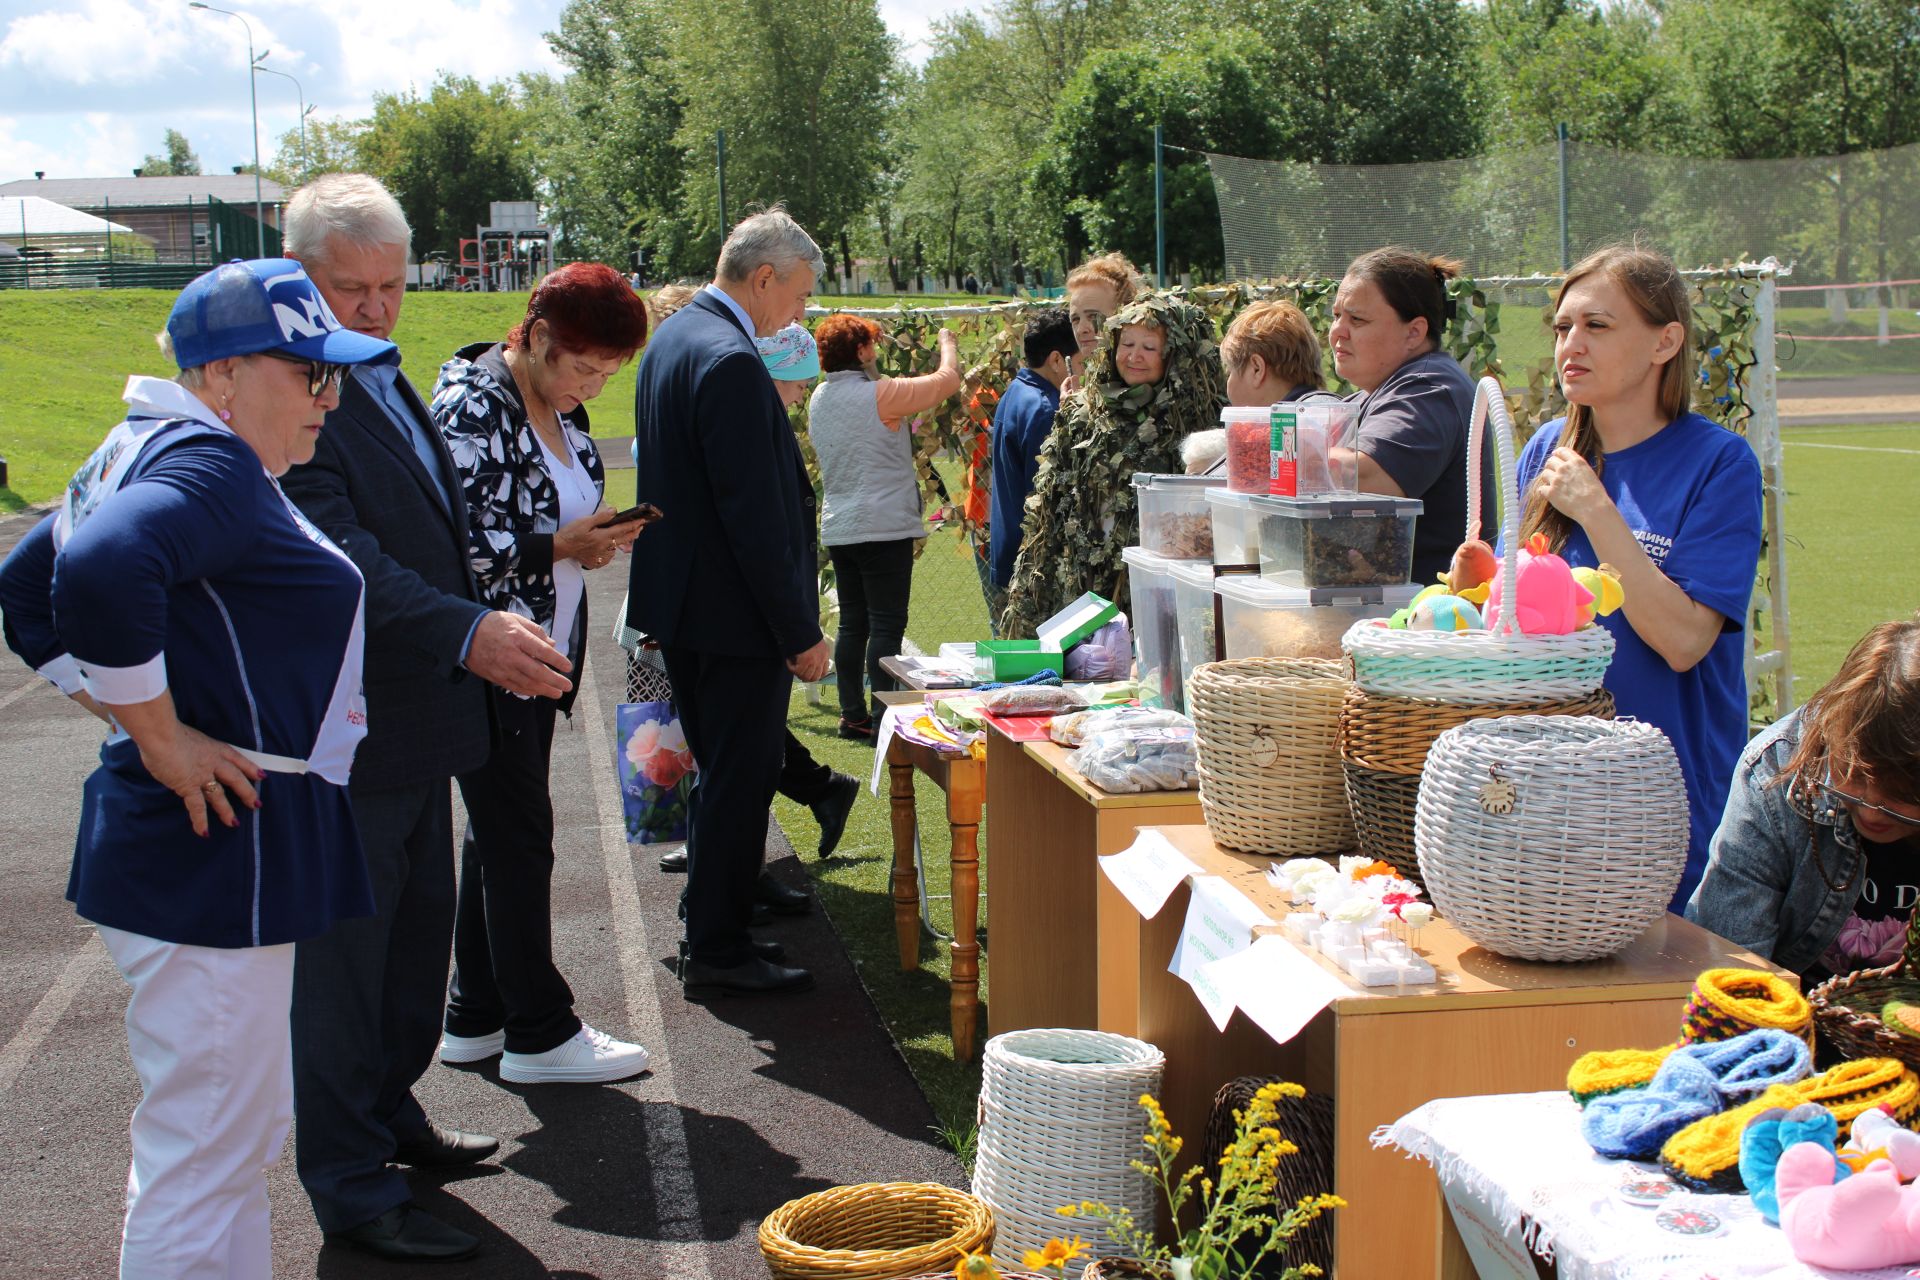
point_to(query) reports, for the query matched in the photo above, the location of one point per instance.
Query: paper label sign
(882, 739)
(1147, 872)
(1276, 984)
(1220, 923)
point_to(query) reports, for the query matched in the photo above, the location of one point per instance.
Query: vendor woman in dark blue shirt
(178, 594)
(1671, 500)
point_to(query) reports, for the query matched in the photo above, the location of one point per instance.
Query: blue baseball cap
(268, 304)
(789, 354)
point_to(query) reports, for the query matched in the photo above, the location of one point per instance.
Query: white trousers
(207, 1027)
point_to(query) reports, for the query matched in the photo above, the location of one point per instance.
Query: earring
(225, 414)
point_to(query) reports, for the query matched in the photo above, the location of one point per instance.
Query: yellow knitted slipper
(1854, 1088)
(1727, 1002)
(1706, 1154)
(1594, 1075)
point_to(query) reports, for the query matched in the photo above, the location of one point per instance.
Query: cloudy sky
(87, 87)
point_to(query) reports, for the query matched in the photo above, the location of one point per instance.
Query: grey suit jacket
(367, 489)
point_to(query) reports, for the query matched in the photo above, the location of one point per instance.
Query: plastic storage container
(1249, 448)
(1194, 608)
(1018, 659)
(1156, 630)
(1174, 520)
(1322, 426)
(1361, 541)
(1262, 619)
(1236, 529)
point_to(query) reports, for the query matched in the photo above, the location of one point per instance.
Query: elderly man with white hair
(726, 582)
(368, 995)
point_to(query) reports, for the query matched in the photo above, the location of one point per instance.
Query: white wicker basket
(1500, 665)
(1060, 1120)
(1551, 837)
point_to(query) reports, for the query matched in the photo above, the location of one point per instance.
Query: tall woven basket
(1060, 1119)
(1850, 1011)
(1551, 837)
(1267, 734)
(1491, 666)
(1383, 748)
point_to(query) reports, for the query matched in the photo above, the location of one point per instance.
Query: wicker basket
(1383, 747)
(1060, 1119)
(1307, 1122)
(1500, 666)
(1551, 837)
(1847, 1007)
(874, 1231)
(1266, 731)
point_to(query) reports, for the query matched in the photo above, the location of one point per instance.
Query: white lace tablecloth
(1521, 1158)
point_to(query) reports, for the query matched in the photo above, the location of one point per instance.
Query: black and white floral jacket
(513, 507)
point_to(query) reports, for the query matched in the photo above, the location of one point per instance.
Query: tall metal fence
(163, 247)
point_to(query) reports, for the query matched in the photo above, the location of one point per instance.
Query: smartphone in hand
(646, 513)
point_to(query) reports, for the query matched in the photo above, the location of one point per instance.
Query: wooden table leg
(965, 796)
(906, 895)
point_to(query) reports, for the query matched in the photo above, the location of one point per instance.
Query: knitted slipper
(1852, 1088)
(1747, 1064)
(1604, 1071)
(1727, 1002)
(1634, 1123)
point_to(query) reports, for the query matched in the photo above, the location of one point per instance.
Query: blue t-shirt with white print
(1691, 494)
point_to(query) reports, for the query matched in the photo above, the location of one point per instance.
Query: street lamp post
(301, 94)
(253, 101)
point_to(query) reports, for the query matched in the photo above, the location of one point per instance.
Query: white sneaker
(470, 1048)
(589, 1057)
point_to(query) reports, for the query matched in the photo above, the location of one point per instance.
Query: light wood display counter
(1046, 825)
(1488, 1025)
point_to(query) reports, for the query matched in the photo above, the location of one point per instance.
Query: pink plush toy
(1551, 603)
(1867, 1221)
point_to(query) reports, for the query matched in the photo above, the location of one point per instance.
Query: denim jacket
(1763, 886)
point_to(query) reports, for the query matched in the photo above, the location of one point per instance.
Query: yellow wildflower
(975, 1266)
(1055, 1253)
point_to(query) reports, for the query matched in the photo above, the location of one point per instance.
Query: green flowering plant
(1236, 1219)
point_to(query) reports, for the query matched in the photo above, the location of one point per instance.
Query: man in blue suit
(727, 583)
(368, 997)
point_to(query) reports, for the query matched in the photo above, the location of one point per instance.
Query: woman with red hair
(515, 420)
(870, 499)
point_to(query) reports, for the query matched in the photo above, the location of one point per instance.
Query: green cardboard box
(1018, 659)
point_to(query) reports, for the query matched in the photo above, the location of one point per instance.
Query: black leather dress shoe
(444, 1149)
(779, 898)
(405, 1233)
(831, 810)
(674, 860)
(756, 977)
(771, 952)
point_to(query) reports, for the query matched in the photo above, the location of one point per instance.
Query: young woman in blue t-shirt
(1671, 500)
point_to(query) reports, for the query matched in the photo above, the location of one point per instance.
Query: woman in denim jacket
(1816, 863)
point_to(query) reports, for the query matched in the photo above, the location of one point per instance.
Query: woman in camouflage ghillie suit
(1081, 512)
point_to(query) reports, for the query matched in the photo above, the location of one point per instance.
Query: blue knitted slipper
(1635, 1123)
(1746, 1064)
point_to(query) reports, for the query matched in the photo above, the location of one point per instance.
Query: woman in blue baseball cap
(179, 596)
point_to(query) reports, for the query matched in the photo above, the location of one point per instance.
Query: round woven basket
(1383, 748)
(1060, 1120)
(1307, 1122)
(1494, 665)
(874, 1231)
(1847, 1008)
(1551, 837)
(1266, 731)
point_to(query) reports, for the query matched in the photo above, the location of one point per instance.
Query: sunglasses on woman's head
(1836, 793)
(319, 374)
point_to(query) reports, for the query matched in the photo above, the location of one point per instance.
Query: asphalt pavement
(749, 1102)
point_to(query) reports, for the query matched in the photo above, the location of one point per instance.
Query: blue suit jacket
(731, 567)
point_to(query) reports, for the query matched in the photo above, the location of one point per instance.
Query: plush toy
(1548, 602)
(1877, 1135)
(1766, 1138)
(1603, 584)
(1474, 566)
(1854, 1223)
(1445, 613)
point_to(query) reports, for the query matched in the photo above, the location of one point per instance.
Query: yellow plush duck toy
(1603, 584)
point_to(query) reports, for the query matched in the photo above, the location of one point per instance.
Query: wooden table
(1048, 825)
(1489, 1025)
(964, 780)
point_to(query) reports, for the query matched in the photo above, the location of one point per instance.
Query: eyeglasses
(320, 375)
(1827, 786)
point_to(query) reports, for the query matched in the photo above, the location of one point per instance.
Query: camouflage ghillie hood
(1081, 513)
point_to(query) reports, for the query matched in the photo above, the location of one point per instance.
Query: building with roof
(199, 218)
(31, 220)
